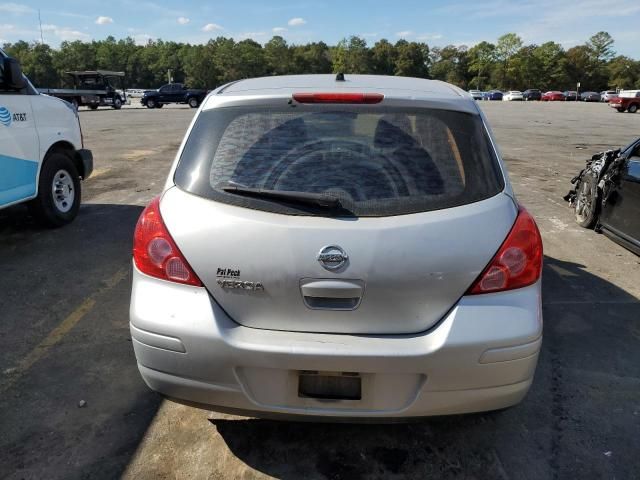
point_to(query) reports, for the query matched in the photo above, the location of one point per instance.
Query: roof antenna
(340, 77)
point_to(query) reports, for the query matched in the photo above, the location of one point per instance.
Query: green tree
(412, 59)
(352, 56)
(384, 57)
(481, 60)
(506, 47)
(624, 73)
(278, 56)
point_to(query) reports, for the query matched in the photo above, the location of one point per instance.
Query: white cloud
(210, 27)
(296, 22)
(404, 33)
(142, 38)
(103, 20)
(429, 36)
(279, 29)
(65, 33)
(183, 20)
(251, 36)
(15, 8)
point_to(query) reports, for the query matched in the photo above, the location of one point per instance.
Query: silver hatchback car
(338, 247)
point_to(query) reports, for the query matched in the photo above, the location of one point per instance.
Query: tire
(633, 108)
(117, 103)
(151, 103)
(59, 191)
(193, 102)
(93, 107)
(587, 204)
(620, 110)
(160, 105)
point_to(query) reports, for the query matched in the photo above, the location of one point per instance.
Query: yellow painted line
(62, 329)
(99, 171)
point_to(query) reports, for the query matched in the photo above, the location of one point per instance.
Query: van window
(377, 161)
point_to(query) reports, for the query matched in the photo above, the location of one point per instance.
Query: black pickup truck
(173, 93)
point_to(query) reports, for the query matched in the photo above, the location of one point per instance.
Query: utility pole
(40, 22)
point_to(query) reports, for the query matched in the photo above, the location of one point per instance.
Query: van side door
(19, 144)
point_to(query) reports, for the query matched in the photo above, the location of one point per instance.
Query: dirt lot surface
(64, 297)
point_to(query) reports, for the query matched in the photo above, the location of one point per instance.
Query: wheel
(160, 105)
(59, 193)
(586, 208)
(93, 107)
(117, 103)
(193, 102)
(633, 108)
(620, 110)
(151, 103)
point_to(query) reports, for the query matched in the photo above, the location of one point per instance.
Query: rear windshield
(376, 161)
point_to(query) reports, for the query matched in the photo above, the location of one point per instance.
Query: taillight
(154, 251)
(367, 98)
(518, 262)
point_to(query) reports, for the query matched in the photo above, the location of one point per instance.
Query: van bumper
(482, 356)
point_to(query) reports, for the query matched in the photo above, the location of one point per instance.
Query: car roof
(386, 85)
(397, 90)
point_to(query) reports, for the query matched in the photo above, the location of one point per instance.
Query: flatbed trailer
(92, 89)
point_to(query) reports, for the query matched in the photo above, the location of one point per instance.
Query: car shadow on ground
(587, 373)
(64, 294)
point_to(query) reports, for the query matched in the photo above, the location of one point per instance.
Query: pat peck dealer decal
(6, 117)
(229, 279)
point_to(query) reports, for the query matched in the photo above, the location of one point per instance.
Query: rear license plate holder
(330, 385)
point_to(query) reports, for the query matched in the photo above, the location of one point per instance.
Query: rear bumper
(482, 356)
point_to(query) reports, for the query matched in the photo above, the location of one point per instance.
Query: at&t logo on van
(5, 116)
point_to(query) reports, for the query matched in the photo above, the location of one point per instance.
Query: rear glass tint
(376, 161)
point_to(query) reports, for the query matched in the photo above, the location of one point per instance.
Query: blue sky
(438, 22)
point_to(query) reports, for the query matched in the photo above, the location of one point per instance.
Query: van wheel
(632, 108)
(193, 102)
(59, 192)
(117, 103)
(151, 103)
(587, 202)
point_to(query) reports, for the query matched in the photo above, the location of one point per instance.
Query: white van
(42, 158)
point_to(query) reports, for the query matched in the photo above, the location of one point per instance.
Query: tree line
(507, 64)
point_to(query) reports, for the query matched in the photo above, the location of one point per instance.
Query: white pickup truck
(42, 159)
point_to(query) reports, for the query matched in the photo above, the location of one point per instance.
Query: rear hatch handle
(331, 294)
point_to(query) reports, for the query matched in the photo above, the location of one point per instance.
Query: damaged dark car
(606, 195)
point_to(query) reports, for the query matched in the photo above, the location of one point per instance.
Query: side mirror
(13, 77)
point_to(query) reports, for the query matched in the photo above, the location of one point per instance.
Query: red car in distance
(552, 96)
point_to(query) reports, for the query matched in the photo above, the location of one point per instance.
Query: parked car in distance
(476, 94)
(136, 92)
(590, 96)
(607, 95)
(570, 96)
(609, 200)
(173, 93)
(494, 95)
(512, 95)
(552, 96)
(532, 94)
(627, 100)
(42, 157)
(406, 284)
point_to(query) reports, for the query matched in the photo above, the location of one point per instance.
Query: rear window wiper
(306, 198)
